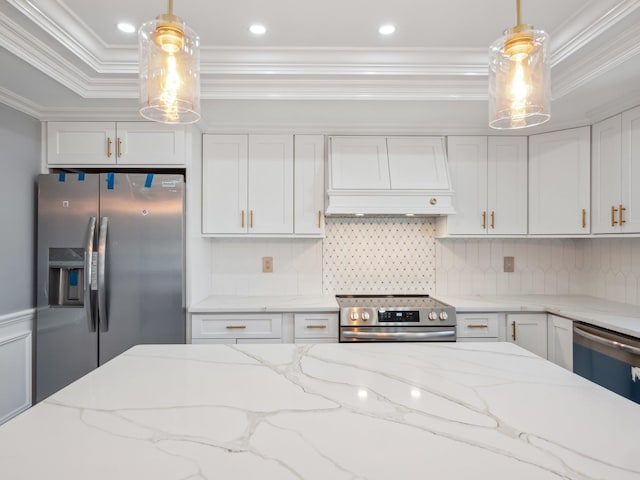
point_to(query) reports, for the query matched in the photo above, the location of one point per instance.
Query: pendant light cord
(517, 11)
(170, 12)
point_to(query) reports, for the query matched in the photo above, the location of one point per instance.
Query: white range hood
(395, 176)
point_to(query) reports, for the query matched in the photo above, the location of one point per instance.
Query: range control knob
(354, 315)
(365, 315)
(443, 316)
(432, 316)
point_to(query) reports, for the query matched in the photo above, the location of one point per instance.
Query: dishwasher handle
(606, 341)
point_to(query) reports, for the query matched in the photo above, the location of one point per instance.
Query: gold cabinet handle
(242, 219)
(236, 326)
(319, 218)
(584, 218)
(493, 220)
(250, 218)
(622, 220)
(477, 325)
(484, 220)
(109, 147)
(513, 335)
(119, 147)
(316, 326)
(613, 215)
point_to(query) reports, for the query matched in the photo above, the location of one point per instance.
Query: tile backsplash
(379, 255)
(402, 255)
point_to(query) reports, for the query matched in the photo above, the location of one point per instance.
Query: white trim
(15, 317)
(27, 337)
(20, 103)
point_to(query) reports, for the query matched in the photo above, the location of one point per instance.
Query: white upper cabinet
(247, 184)
(309, 184)
(616, 174)
(559, 182)
(115, 143)
(270, 184)
(489, 177)
(359, 163)
(224, 184)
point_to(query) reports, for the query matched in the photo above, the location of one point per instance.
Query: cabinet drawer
(237, 325)
(477, 325)
(316, 325)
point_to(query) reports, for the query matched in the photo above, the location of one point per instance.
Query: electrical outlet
(267, 264)
(509, 264)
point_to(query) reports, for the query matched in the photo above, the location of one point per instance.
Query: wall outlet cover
(267, 264)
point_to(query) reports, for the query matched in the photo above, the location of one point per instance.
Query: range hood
(393, 176)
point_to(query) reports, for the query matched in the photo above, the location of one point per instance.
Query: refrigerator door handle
(88, 274)
(102, 254)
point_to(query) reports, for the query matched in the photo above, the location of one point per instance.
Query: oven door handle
(399, 335)
(607, 342)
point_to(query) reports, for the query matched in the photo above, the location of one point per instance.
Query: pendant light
(519, 78)
(169, 70)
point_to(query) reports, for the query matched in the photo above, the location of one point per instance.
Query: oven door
(608, 359)
(397, 334)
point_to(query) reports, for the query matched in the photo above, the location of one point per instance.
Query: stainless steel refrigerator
(110, 270)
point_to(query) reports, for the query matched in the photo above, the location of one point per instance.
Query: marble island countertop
(332, 411)
(620, 317)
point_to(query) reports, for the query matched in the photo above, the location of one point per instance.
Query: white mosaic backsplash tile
(379, 255)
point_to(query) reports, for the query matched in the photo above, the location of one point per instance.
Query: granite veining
(328, 411)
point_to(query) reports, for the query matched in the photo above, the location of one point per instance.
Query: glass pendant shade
(519, 79)
(169, 71)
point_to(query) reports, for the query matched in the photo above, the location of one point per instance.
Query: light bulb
(171, 85)
(519, 88)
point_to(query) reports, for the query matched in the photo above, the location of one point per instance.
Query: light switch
(509, 264)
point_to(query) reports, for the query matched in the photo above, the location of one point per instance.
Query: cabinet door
(529, 331)
(270, 184)
(150, 143)
(477, 325)
(309, 184)
(81, 143)
(606, 175)
(559, 182)
(417, 163)
(316, 325)
(358, 163)
(507, 186)
(560, 341)
(630, 195)
(468, 164)
(236, 325)
(224, 184)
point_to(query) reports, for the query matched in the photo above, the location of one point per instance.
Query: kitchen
(357, 255)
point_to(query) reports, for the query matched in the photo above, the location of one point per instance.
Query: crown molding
(614, 108)
(587, 24)
(17, 102)
(598, 62)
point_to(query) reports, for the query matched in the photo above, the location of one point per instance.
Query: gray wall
(19, 167)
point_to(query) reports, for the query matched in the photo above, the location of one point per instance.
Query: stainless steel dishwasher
(607, 358)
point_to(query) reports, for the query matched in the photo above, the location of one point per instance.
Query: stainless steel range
(395, 318)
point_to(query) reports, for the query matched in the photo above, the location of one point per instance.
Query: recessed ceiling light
(258, 29)
(386, 29)
(126, 27)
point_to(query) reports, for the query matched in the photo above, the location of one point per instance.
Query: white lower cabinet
(560, 341)
(316, 327)
(528, 330)
(15, 367)
(236, 328)
(478, 327)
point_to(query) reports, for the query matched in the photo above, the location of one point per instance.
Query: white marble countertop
(620, 317)
(274, 303)
(331, 411)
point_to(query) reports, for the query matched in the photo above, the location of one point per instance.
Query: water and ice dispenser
(66, 277)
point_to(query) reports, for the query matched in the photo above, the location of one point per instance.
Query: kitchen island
(332, 411)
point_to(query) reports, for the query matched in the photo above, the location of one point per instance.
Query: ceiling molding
(587, 24)
(19, 103)
(613, 108)
(598, 62)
